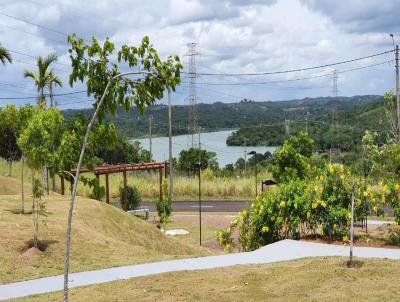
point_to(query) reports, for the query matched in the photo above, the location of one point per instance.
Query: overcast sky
(232, 36)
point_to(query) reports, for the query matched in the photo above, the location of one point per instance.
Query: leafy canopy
(146, 81)
(41, 134)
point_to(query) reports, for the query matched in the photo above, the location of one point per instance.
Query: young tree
(293, 158)
(44, 78)
(5, 55)
(189, 159)
(147, 81)
(36, 143)
(9, 132)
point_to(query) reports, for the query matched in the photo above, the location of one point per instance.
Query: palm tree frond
(5, 55)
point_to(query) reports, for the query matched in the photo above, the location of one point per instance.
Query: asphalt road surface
(206, 206)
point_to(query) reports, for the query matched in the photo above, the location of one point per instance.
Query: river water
(210, 141)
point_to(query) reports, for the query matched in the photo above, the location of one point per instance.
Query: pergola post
(62, 184)
(125, 192)
(107, 190)
(161, 179)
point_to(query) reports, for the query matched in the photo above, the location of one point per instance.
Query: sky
(231, 36)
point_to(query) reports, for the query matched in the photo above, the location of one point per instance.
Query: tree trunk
(22, 186)
(34, 218)
(9, 167)
(75, 186)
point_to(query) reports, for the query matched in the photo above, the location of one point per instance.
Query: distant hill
(219, 116)
(341, 129)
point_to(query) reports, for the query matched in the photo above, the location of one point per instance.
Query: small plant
(134, 198)
(164, 205)
(38, 208)
(394, 234)
(98, 192)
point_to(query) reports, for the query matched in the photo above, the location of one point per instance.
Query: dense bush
(134, 199)
(300, 207)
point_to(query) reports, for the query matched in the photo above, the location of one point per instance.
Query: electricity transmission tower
(334, 145)
(335, 87)
(287, 127)
(192, 119)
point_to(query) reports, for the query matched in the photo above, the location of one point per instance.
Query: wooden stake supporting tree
(112, 88)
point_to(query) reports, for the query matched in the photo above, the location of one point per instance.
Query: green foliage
(189, 160)
(41, 134)
(98, 191)
(292, 160)
(92, 63)
(164, 205)
(5, 55)
(298, 208)
(134, 199)
(343, 130)
(44, 78)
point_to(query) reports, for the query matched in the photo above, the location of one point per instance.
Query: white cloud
(232, 35)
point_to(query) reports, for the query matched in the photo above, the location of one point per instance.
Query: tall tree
(44, 78)
(9, 132)
(5, 55)
(146, 81)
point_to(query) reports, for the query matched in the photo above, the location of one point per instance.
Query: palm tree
(44, 78)
(5, 55)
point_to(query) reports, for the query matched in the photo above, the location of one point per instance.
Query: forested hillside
(218, 116)
(338, 129)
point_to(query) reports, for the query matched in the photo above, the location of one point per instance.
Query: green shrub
(134, 199)
(164, 204)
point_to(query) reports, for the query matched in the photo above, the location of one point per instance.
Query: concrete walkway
(279, 251)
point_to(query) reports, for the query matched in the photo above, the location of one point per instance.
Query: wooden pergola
(122, 168)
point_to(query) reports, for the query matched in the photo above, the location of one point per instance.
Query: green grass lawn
(313, 279)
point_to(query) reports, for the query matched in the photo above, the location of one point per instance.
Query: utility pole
(350, 264)
(245, 158)
(199, 188)
(150, 143)
(171, 178)
(397, 92)
(192, 120)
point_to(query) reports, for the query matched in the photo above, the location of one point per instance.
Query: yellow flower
(282, 204)
(314, 205)
(375, 209)
(397, 187)
(323, 203)
(346, 239)
(341, 177)
(265, 229)
(358, 202)
(330, 168)
(365, 193)
(228, 230)
(385, 189)
(321, 177)
(349, 215)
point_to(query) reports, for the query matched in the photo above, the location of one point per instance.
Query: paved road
(206, 206)
(279, 251)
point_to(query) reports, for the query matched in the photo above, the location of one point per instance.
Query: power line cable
(295, 70)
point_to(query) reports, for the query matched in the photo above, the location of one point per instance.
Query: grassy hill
(220, 116)
(319, 279)
(102, 236)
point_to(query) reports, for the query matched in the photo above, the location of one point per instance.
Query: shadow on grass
(43, 245)
(19, 212)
